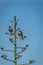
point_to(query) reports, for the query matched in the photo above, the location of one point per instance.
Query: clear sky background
(30, 15)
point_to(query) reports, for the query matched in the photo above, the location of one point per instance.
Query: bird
(10, 30)
(20, 34)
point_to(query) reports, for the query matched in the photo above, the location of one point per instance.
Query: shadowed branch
(5, 57)
(23, 49)
(6, 50)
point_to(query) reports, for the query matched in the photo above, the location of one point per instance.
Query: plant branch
(9, 50)
(5, 57)
(6, 50)
(20, 52)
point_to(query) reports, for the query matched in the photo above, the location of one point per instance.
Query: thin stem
(9, 60)
(9, 50)
(19, 52)
(20, 47)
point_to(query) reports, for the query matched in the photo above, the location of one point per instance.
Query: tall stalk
(15, 40)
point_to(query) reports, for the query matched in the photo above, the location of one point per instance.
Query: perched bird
(10, 30)
(20, 34)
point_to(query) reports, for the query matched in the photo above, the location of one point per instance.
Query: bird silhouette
(20, 34)
(10, 30)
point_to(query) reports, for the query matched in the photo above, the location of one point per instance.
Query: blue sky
(30, 15)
